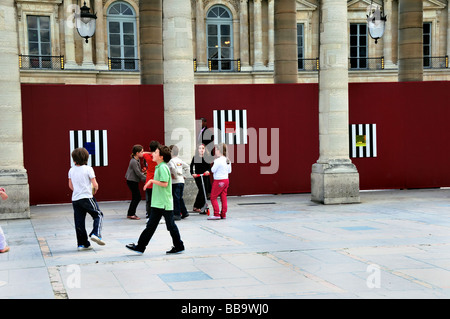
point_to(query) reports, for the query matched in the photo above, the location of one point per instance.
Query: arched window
(122, 39)
(219, 25)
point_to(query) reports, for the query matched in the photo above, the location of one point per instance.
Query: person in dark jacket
(201, 165)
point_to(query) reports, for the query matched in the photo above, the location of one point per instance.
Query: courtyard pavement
(394, 244)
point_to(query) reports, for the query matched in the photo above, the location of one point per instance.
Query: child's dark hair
(164, 151)
(80, 156)
(153, 145)
(136, 149)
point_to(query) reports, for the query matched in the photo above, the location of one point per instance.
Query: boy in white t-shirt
(84, 185)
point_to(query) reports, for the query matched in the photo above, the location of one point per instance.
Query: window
(300, 46)
(39, 43)
(427, 45)
(358, 46)
(122, 41)
(219, 39)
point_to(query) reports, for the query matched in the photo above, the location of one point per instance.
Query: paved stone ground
(394, 244)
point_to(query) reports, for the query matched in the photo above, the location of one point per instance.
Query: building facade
(233, 42)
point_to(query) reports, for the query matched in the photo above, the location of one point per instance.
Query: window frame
(219, 64)
(358, 62)
(123, 62)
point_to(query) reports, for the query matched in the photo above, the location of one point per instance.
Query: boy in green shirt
(162, 204)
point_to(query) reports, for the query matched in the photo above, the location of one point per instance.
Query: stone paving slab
(394, 244)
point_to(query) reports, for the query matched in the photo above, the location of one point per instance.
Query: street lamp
(85, 22)
(376, 21)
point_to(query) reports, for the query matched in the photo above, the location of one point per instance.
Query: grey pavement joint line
(297, 269)
(55, 278)
(391, 271)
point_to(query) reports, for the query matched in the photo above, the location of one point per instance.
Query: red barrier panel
(130, 114)
(411, 121)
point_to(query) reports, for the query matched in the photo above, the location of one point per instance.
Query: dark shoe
(134, 248)
(176, 217)
(185, 215)
(175, 250)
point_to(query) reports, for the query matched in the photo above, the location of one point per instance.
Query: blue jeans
(178, 201)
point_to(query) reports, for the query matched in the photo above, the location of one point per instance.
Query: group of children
(164, 184)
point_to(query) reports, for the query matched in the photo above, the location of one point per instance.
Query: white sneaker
(82, 247)
(213, 217)
(97, 240)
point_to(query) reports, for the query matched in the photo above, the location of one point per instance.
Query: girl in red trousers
(221, 168)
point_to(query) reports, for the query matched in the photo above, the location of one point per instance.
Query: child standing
(162, 205)
(148, 157)
(84, 185)
(3, 246)
(220, 169)
(177, 168)
(199, 166)
(134, 175)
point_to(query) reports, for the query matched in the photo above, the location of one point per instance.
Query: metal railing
(308, 64)
(366, 63)
(41, 62)
(439, 62)
(224, 65)
(123, 64)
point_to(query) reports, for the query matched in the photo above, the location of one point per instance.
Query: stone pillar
(334, 179)
(410, 40)
(13, 176)
(99, 37)
(200, 28)
(271, 33)
(69, 29)
(257, 36)
(88, 62)
(179, 98)
(151, 46)
(243, 37)
(387, 37)
(286, 58)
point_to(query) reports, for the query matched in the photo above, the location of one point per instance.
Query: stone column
(200, 28)
(334, 179)
(179, 98)
(100, 51)
(257, 36)
(387, 37)
(88, 62)
(243, 37)
(410, 40)
(69, 29)
(151, 45)
(271, 33)
(286, 58)
(13, 176)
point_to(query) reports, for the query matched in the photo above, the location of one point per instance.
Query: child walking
(133, 176)
(220, 169)
(84, 185)
(148, 157)
(177, 168)
(3, 246)
(162, 205)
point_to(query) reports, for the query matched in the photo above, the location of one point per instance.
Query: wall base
(15, 182)
(336, 183)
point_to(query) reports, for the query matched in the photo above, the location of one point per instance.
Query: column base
(335, 183)
(15, 182)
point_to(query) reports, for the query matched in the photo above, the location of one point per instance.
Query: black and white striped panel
(230, 126)
(95, 141)
(363, 140)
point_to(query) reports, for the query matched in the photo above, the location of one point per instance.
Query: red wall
(131, 114)
(411, 118)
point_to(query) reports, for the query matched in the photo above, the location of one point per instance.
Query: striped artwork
(363, 140)
(95, 141)
(230, 126)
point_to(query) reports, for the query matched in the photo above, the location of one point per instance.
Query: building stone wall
(253, 39)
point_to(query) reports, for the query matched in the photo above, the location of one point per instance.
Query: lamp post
(376, 21)
(85, 22)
